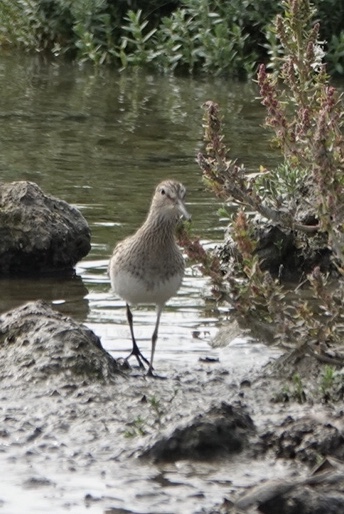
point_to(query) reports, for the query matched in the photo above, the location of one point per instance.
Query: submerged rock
(222, 430)
(39, 344)
(39, 233)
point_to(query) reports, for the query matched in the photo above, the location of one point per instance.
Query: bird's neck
(160, 226)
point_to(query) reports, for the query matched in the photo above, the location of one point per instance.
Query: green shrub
(212, 36)
(302, 199)
(207, 36)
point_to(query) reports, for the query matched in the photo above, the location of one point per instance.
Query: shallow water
(101, 141)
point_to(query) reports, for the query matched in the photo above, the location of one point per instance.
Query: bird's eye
(162, 191)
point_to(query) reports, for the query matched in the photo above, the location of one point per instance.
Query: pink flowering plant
(302, 199)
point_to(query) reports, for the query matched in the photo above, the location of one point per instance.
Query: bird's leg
(154, 338)
(135, 351)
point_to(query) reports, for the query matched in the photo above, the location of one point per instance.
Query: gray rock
(39, 344)
(283, 253)
(305, 439)
(304, 500)
(39, 233)
(222, 430)
(296, 497)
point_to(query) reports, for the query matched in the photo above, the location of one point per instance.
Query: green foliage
(92, 30)
(305, 115)
(204, 35)
(194, 37)
(134, 49)
(138, 427)
(157, 409)
(331, 14)
(304, 112)
(18, 20)
(143, 425)
(302, 199)
(209, 36)
(327, 380)
(292, 392)
(336, 54)
(285, 183)
(299, 391)
(332, 384)
(328, 388)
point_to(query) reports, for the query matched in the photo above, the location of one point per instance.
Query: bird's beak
(183, 211)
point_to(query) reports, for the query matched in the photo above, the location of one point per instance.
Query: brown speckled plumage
(148, 267)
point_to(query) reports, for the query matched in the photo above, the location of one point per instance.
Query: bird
(148, 266)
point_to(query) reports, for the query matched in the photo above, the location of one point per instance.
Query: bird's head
(169, 200)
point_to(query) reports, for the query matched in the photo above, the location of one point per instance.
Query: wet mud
(79, 432)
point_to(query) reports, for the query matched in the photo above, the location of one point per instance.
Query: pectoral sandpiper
(148, 267)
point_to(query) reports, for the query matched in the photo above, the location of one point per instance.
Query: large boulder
(39, 233)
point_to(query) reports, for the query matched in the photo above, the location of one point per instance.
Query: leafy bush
(302, 199)
(207, 36)
(211, 36)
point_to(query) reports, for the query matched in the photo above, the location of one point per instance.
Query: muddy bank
(78, 432)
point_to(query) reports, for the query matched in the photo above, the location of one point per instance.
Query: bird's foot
(139, 357)
(150, 374)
